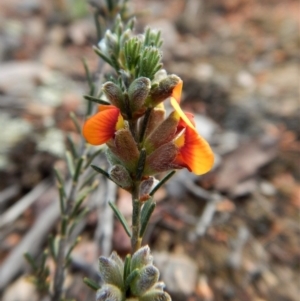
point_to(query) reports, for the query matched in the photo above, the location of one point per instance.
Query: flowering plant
(142, 142)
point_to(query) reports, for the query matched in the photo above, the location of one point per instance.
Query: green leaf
(88, 179)
(102, 55)
(92, 157)
(74, 244)
(121, 218)
(127, 266)
(91, 283)
(146, 213)
(162, 182)
(52, 247)
(76, 122)
(59, 177)
(31, 261)
(88, 76)
(78, 218)
(70, 163)
(101, 171)
(96, 100)
(76, 208)
(64, 225)
(84, 192)
(72, 146)
(131, 277)
(78, 169)
(62, 199)
(141, 164)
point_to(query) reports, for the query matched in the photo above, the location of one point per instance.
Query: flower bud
(137, 93)
(157, 116)
(147, 277)
(111, 40)
(141, 258)
(155, 295)
(147, 185)
(120, 176)
(163, 133)
(110, 272)
(161, 159)
(160, 75)
(125, 149)
(119, 262)
(114, 94)
(109, 293)
(162, 90)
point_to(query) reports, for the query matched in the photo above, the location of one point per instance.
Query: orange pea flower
(194, 152)
(101, 127)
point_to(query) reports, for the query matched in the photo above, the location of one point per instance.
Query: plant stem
(59, 276)
(136, 240)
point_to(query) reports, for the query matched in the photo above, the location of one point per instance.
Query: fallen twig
(8, 193)
(16, 210)
(32, 242)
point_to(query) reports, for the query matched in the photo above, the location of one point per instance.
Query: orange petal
(102, 126)
(195, 154)
(177, 91)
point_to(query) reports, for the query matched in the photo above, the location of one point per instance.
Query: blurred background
(232, 234)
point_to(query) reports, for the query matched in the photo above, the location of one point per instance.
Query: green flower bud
(116, 258)
(120, 176)
(109, 293)
(114, 94)
(125, 149)
(147, 277)
(141, 258)
(162, 90)
(137, 93)
(110, 272)
(161, 159)
(155, 295)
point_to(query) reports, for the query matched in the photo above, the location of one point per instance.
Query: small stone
(179, 273)
(21, 290)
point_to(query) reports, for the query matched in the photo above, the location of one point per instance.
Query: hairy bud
(161, 159)
(109, 293)
(141, 258)
(146, 278)
(114, 94)
(137, 93)
(147, 186)
(120, 176)
(155, 295)
(110, 272)
(162, 90)
(124, 148)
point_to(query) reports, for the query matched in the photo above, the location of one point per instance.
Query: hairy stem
(136, 240)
